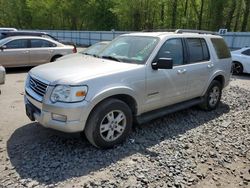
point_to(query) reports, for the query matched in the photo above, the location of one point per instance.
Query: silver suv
(136, 78)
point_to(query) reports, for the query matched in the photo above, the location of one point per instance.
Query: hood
(77, 68)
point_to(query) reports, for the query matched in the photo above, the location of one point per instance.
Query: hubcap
(113, 125)
(237, 68)
(214, 96)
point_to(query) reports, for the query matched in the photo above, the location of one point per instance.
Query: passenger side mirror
(163, 63)
(3, 47)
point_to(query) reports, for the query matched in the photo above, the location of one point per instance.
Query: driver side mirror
(163, 63)
(3, 47)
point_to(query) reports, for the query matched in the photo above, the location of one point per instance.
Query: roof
(28, 37)
(27, 32)
(7, 29)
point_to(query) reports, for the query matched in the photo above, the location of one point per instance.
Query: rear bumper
(75, 114)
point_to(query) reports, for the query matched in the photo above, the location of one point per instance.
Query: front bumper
(76, 114)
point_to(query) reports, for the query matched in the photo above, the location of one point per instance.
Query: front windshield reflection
(130, 49)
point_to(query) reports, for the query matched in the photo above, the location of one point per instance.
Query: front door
(15, 53)
(166, 87)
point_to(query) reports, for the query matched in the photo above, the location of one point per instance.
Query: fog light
(59, 117)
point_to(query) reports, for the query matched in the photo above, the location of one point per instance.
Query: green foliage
(125, 14)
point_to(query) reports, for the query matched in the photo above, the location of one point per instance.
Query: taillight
(74, 50)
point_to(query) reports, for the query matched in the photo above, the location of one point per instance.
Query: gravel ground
(191, 148)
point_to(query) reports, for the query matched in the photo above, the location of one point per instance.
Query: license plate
(30, 112)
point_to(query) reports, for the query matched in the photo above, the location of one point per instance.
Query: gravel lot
(191, 148)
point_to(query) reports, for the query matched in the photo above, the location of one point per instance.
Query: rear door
(199, 66)
(16, 53)
(40, 51)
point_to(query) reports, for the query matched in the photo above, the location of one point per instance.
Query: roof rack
(159, 30)
(179, 31)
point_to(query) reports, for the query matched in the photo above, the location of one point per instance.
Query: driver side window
(172, 48)
(22, 43)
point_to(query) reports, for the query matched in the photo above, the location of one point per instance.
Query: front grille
(38, 86)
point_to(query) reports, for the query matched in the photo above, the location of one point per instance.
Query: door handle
(181, 71)
(210, 66)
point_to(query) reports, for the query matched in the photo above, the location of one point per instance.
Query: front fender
(116, 90)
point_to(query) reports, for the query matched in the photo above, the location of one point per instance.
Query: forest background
(125, 15)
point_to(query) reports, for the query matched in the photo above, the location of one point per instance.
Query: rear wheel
(212, 96)
(54, 58)
(237, 68)
(109, 124)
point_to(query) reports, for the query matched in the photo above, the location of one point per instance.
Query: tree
(125, 15)
(246, 15)
(230, 14)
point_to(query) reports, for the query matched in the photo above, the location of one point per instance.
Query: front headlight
(65, 93)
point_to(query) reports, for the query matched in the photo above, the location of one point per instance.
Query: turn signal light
(80, 93)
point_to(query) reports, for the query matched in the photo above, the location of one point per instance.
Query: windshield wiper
(111, 58)
(94, 55)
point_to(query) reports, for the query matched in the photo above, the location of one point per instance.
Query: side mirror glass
(163, 63)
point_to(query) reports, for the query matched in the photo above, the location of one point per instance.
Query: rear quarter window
(221, 48)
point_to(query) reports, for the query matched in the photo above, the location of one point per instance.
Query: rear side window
(198, 50)
(246, 52)
(221, 48)
(37, 43)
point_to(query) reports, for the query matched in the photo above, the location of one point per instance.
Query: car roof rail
(180, 31)
(159, 30)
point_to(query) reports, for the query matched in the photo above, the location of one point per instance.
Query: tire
(102, 128)
(237, 68)
(54, 58)
(212, 96)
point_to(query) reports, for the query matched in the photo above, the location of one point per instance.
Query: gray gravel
(188, 148)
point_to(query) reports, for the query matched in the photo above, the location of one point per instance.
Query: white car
(241, 60)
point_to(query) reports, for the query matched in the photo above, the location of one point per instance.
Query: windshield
(130, 49)
(95, 49)
(3, 41)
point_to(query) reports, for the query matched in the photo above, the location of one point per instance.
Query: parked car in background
(30, 51)
(34, 33)
(4, 29)
(96, 48)
(241, 60)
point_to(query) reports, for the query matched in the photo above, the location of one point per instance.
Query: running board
(148, 116)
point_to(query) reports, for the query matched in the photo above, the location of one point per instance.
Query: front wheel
(109, 124)
(212, 96)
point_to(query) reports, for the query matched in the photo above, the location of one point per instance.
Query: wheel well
(55, 57)
(236, 62)
(221, 79)
(130, 101)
